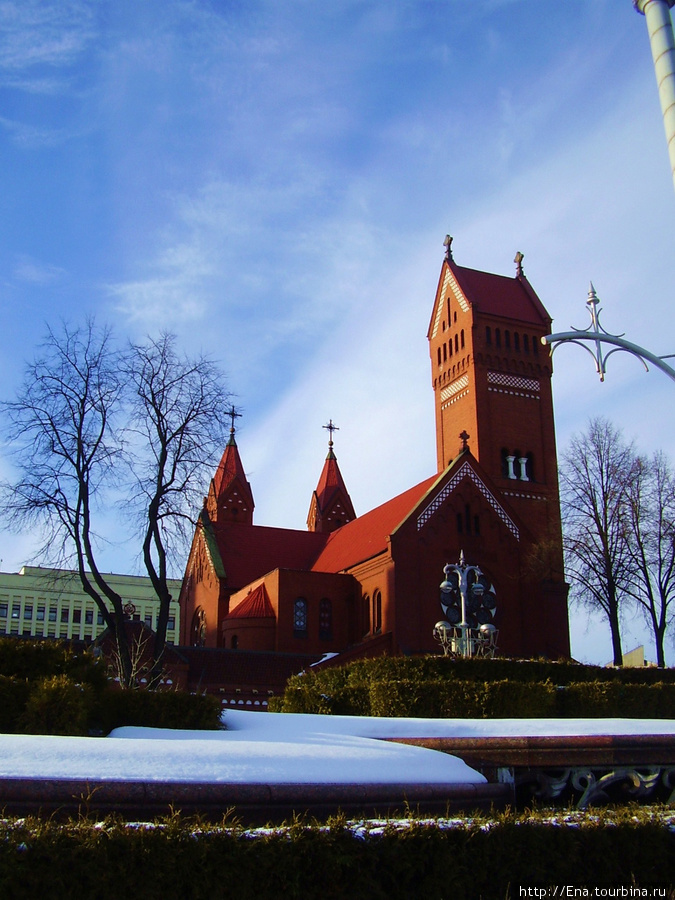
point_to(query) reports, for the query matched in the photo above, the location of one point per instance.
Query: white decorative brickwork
(441, 301)
(466, 471)
(457, 385)
(457, 291)
(501, 379)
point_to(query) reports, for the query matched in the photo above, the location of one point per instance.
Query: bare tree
(177, 433)
(651, 511)
(62, 433)
(90, 417)
(594, 480)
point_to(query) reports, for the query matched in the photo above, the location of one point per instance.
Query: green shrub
(156, 709)
(13, 697)
(491, 857)
(616, 700)
(438, 687)
(57, 705)
(34, 660)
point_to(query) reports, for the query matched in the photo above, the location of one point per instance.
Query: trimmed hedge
(488, 858)
(436, 687)
(46, 688)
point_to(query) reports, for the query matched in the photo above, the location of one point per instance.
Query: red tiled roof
(250, 551)
(366, 536)
(330, 481)
(513, 298)
(254, 606)
(229, 468)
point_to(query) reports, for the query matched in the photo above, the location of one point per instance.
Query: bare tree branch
(594, 482)
(62, 433)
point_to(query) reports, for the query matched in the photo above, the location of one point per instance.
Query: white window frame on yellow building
(59, 594)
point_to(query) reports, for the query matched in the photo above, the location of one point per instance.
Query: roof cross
(233, 414)
(464, 437)
(330, 428)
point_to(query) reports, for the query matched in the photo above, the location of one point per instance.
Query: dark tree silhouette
(63, 436)
(91, 419)
(177, 433)
(595, 479)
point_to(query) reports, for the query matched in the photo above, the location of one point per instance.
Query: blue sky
(273, 180)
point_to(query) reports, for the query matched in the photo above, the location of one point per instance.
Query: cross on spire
(330, 428)
(447, 243)
(464, 437)
(233, 414)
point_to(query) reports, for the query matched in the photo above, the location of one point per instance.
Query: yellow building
(50, 603)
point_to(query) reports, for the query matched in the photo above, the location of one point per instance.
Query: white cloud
(43, 33)
(35, 272)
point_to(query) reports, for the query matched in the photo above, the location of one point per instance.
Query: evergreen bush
(438, 687)
(57, 705)
(464, 858)
(13, 697)
(157, 709)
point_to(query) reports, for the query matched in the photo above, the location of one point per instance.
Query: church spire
(230, 497)
(331, 506)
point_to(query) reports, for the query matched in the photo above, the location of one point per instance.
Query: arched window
(445, 352)
(526, 343)
(456, 344)
(507, 340)
(439, 356)
(377, 612)
(325, 619)
(488, 335)
(300, 617)
(516, 341)
(498, 337)
(462, 338)
(366, 614)
(198, 628)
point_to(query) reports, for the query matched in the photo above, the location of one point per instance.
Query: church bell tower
(492, 378)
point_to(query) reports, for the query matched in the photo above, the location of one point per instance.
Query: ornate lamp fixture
(597, 336)
(469, 603)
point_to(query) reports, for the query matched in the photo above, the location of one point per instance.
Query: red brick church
(369, 584)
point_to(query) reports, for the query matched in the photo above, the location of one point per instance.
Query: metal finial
(233, 414)
(518, 260)
(464, 438)
(447, 243)
(330, 428)
(593, 338)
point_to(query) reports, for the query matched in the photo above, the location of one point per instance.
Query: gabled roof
(331, 505)
(495, 295)
(254, 606)
(366, 536)
(330, 482)
(251, 551)
(230, 469)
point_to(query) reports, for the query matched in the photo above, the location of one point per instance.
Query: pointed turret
(230, 497)
(331, 505)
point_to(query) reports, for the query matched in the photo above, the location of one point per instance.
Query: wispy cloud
(43, 32)
(37, 273)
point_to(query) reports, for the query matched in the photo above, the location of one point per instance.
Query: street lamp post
(468, 601)
(597, 336)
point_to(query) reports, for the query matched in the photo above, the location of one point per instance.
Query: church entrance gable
(465, 470)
